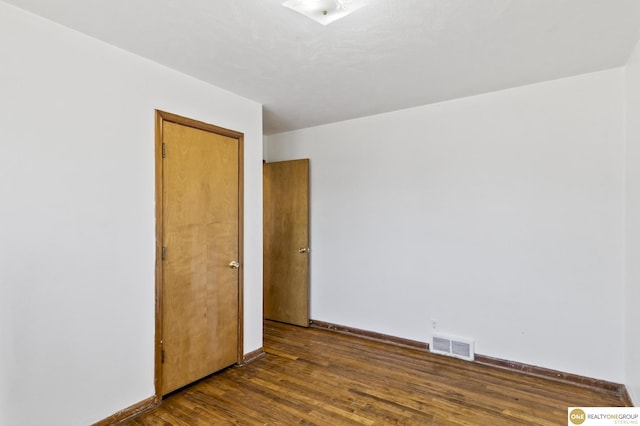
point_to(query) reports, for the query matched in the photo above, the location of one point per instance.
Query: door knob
(304, 250)
(234, 264)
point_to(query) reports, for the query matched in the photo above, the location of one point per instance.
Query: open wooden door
(199, 276)
(286, 242)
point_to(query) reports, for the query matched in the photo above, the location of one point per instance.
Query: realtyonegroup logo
(577, 416)
(603, 416)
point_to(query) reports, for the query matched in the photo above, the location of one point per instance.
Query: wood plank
(318, 377)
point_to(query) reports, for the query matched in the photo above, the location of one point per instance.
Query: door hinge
(164, 150)
(162, 356)
(164, 253)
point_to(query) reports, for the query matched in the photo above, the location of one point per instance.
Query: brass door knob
(304, 250)
(234, 264)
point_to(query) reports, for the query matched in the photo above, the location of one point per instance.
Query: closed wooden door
(200, 277)
(286, 242)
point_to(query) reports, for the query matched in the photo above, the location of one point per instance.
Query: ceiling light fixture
(324, 11)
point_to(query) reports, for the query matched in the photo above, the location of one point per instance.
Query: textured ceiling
(389, 55)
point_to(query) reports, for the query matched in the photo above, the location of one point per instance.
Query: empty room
(319, 212)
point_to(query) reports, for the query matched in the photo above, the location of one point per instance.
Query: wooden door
(200, 252)
(286, 242)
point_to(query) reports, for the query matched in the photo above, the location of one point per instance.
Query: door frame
(160, 118)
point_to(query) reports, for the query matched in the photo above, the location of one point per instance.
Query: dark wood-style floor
(319, 377)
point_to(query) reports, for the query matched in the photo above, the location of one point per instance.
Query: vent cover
(458, 347)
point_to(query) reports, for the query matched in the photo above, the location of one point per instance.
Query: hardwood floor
(318, 377)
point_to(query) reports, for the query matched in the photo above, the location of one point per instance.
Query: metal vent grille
(458, 347)
(441, 344)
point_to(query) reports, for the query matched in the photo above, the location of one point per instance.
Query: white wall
(500, 216)
(77, 218)
(633, 228)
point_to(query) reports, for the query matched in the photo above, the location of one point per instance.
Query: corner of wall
(632, 227)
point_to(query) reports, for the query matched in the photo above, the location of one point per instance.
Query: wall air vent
(457, 347)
